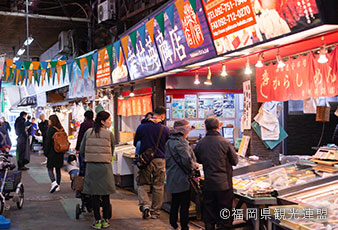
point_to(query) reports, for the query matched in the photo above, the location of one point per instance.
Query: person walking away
(5, 141)
(178, 151)
(138, 144)
(85, 125)
(29, 130)
(20, 130)
(5, 125)
(54, 159)
(43, 126)
(149, 133)
(98, 147)
(217, 156)
(34, 131)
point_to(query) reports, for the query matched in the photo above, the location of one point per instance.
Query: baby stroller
(10, 182)
(77, 185)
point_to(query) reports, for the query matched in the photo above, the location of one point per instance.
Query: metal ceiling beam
(39, 16)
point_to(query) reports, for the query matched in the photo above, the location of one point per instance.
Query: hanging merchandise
(323, 111)
(310, 105)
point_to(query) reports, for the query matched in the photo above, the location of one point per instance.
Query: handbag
(148, 155)
(194, 184)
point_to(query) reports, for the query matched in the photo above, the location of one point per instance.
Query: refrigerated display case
(280, 180)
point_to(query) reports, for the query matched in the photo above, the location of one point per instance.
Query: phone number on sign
(231, 17)
(225, 7)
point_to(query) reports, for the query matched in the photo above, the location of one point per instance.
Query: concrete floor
(43, 210)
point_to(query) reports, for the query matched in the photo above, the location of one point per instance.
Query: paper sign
(244, 146)
(246, 124)
(103, 70)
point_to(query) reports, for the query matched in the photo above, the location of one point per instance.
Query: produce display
(262, 183)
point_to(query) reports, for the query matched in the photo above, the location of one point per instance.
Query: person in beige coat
(98, 148)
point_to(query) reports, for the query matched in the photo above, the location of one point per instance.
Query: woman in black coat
(54, 159)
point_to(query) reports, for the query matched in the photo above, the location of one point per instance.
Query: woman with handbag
(54, 159)
(98, 147)
(180, 163)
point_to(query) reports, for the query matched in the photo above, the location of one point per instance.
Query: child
(72, 166)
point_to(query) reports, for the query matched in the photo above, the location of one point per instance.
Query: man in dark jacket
(148, 133)
(5, 124)
(20, 130)
(87, 124)
(217, 156)
(43, 126)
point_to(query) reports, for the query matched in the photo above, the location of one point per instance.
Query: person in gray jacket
(217, 156)
(177, 180)
(97, 147)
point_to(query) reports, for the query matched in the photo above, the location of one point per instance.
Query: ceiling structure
(47, 18)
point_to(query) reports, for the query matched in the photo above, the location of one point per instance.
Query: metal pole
(27, 28)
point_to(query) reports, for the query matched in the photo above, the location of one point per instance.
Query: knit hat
(182, 126)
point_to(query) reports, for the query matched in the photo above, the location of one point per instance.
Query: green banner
(193, 5)
(26, 65)
(110, 55)
(132, 36)
(64, 68)
(89, 62)
(160, 20)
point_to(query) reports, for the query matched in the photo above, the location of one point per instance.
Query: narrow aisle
(43, 210)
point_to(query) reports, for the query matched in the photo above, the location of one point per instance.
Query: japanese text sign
(144, 61)
(187, 41)
(301, 78)
(238, 23)
(103, 69)
(135, 106)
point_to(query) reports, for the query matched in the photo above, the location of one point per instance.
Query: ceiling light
(224, 71)
(208, 81)
(21, 51)
(259, 63)
(281, 64)
(247, 67)
(197, 80)
(28, 41)
(16, 59)
(132, 94)
(322, 55)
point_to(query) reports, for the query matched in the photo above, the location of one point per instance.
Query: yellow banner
(150, 28)
(83, 61)
(30, 75)
(58, 70)
(124, 42)
(180, 8)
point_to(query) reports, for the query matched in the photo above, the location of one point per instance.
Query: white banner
(2, 63)
(246, 118)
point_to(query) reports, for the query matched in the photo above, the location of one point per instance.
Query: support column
(158, 92)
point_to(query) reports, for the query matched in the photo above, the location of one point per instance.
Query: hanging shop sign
(238, 23)
(82, 84)
(139, 105)
(119, 69)
(301, 78)
(181, 34)
(103, 69)
(141, 53)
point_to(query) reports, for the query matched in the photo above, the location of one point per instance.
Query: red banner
(301, 78)
(135, 106)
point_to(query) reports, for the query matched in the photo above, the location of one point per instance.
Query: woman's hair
(71, 158)
(55, 121)
(101, 116)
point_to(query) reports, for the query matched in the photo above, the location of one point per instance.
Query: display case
(280, 180)
(123, 165)
(246, 165)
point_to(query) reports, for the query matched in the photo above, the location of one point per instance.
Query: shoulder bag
(194, 184)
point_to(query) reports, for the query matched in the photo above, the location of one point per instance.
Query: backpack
(61, 143)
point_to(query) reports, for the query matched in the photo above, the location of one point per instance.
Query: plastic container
(5, 223)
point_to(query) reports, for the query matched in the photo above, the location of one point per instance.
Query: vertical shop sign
(103, 69)
(246, 119)
(119, 68)
(144, 61)
(187, 40)
(238, 23)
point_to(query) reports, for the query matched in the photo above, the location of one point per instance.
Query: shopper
(72, 166)
(97, 147)
(43, 126)
(34, 130)
(138, 144)
(180, 163)
(29, 129)
(217, 156)
(154, 174)
(20, 130)
(86, 124)
(5, 141)
(5, 125)
(54, 159)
